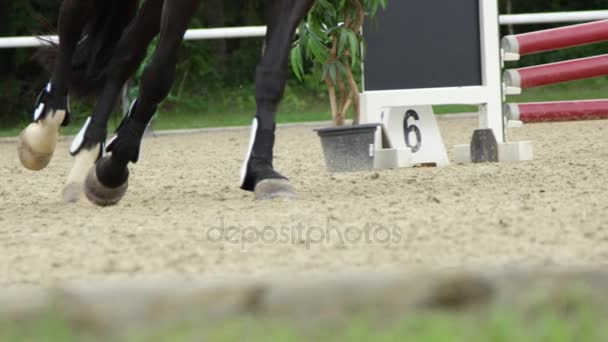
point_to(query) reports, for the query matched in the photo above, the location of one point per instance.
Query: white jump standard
(411, 61)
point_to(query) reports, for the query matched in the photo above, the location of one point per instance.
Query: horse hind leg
(131, 49)
(107, 180)
(38, 140)
(257, 173)
(83, 159)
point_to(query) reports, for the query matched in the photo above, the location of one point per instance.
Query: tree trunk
(333, 101)
(354, 95)
(356, 26)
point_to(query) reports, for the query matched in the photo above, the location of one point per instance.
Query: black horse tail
(106, 26)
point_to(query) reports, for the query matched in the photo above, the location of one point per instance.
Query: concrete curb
(117, 306)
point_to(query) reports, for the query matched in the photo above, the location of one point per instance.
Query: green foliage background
(207, 69)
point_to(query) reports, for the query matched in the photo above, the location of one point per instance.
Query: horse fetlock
(89, 137)
(258, 161)
(38, 140)
(126, 144)
(83, 161)
(124, 148)
(265, 182)
(107, 182)
(49, 104)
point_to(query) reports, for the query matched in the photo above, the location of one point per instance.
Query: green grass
(235, 107)
(422, 327)
(578, 90)
(230, 107)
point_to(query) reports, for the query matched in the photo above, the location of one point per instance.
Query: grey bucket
(349, 148)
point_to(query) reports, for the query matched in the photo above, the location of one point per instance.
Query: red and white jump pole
(553, 73)
(557, 111)
(539, 75)
(554, 39)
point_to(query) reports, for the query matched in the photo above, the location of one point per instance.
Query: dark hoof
(270, 189)
(100, 194)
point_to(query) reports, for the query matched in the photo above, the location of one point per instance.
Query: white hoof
(100, 194)
(71, 192)
(38, 140)
(270, 189)
(83, 161)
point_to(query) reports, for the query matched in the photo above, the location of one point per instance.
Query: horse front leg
(107, 180)
(257, 173)
(37, 142)
(130, 51)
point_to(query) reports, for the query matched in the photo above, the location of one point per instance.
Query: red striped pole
(558, 38)
(558, 111)
(539, 75)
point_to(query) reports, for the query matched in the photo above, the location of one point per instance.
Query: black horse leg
(258, 173)
(73, 17)
(107, 181)
(37, 142)
(129, 53)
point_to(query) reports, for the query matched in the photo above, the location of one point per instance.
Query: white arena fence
(260, 31)
(197, 34)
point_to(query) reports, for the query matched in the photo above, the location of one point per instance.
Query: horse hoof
(33, 154)
(71, 193)
(100, 194)
(38, 140)
(270, 189)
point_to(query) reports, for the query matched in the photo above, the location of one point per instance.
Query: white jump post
(467, 66)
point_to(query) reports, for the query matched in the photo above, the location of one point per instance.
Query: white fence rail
(554, 17)
(197, 34)
(260, 31)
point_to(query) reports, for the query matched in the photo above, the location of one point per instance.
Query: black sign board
(423, 44)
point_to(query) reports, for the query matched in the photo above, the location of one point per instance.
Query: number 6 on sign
(410, 130)
(416, 128)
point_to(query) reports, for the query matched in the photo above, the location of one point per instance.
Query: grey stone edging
(118, 305)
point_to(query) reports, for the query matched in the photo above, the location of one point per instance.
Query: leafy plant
(330, 38)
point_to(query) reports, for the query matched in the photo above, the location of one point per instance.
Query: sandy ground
(185, 216)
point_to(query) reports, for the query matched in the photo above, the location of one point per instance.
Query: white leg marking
(254, 130)
(83, 161)
(79, 138)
